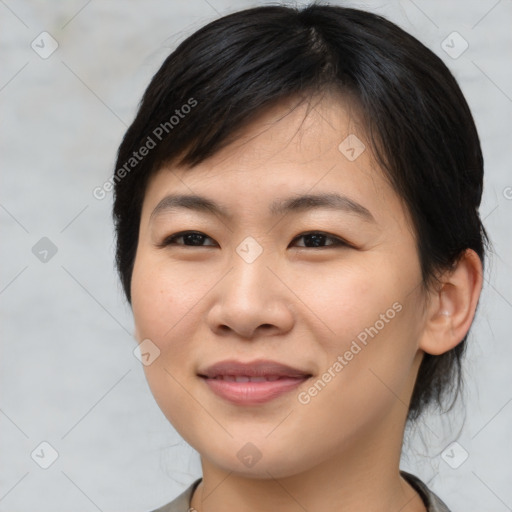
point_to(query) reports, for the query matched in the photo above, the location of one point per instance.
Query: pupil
(316, 240)
(195, 238)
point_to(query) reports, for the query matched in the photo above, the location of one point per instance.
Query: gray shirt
(431, 501)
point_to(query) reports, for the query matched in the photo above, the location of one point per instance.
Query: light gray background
(68, 374)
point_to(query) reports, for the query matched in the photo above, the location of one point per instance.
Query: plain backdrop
(68, 375)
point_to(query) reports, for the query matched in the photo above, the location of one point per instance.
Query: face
(329, 286)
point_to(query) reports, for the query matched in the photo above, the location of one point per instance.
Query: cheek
(163, 300)
(163, 295)
(349, 298)
(371, 318)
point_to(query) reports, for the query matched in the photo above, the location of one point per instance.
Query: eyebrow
(301, 203)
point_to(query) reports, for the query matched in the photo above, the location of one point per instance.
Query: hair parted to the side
(417, 120)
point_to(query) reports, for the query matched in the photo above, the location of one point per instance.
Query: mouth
(252, 383)
(246, 378)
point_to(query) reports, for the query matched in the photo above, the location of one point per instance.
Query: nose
(251, 301)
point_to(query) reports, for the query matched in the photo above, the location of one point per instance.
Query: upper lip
(260, 368)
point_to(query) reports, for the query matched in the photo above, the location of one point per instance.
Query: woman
(296, 208)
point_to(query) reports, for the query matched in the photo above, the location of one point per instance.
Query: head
(251, 113)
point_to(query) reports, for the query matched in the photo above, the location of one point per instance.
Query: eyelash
(337, 241)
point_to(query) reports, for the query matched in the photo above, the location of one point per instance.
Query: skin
(296, 304)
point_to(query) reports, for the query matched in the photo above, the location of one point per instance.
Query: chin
(253, 460)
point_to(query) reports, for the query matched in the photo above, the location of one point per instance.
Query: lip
(284, 379)
(258, 368)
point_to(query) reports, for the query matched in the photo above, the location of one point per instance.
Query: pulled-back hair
(419, 125)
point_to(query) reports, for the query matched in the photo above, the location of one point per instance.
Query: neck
(362, 476)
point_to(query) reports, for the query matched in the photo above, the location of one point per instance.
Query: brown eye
(187, 238)
(318, 239)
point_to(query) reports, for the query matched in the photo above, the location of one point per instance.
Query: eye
(318, 239)
(187, 238)
(314, 239)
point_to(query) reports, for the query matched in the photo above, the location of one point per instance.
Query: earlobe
(452, 306)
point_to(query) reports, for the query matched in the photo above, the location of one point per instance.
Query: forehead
(293, 148)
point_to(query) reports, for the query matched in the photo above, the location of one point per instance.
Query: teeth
(244, 378)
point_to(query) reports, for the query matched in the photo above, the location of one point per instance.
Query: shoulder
(433, 503)
(431, 500)
(182, 502)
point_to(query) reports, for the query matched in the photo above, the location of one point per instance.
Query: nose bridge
(250, 250)
(250, 296)
(250, 275)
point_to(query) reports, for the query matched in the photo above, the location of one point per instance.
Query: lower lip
(252, 393)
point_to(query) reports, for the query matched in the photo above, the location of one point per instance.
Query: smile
(243, 390)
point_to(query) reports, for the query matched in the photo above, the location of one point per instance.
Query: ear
(452, 306)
